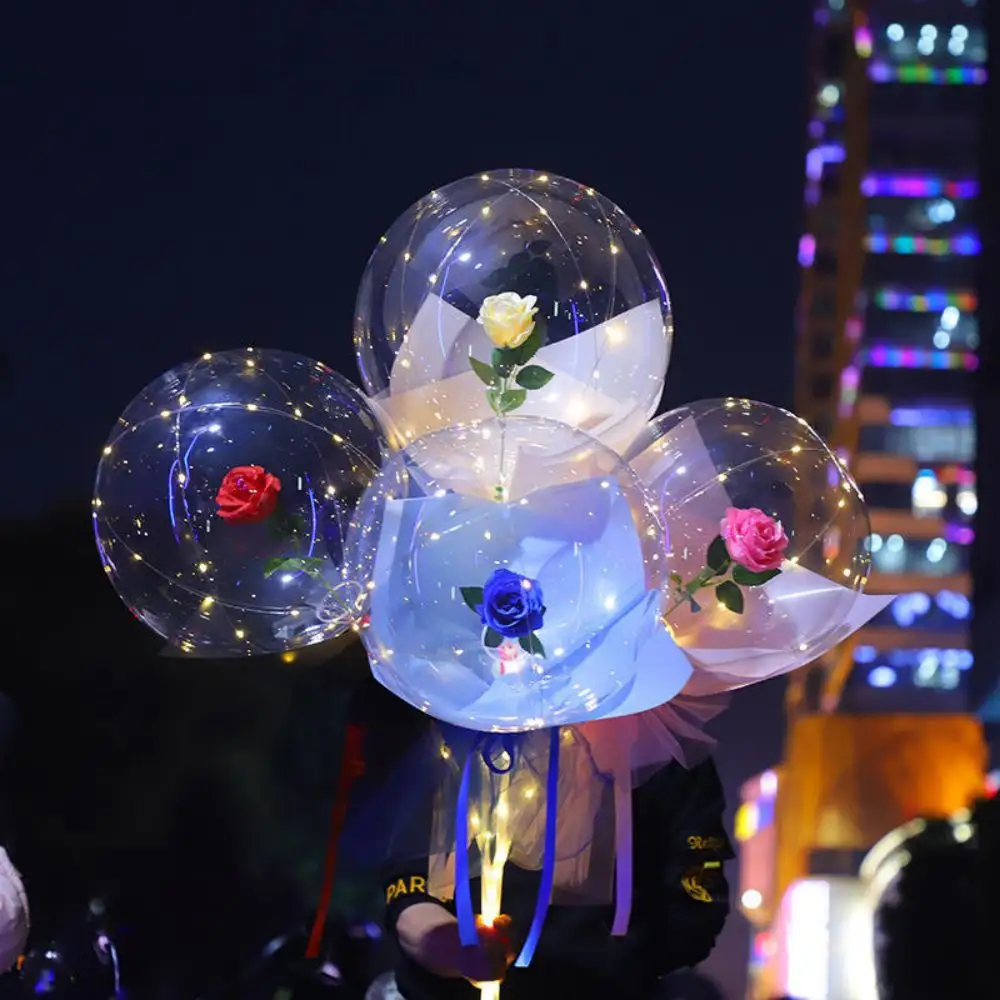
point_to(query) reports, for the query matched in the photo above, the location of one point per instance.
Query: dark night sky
(187, 177)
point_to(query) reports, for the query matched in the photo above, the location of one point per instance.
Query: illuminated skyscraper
(888, 331)
(880, 731)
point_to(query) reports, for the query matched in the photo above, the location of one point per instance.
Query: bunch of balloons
(522, 547)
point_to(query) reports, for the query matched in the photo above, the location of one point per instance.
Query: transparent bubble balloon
(514, 290)
(516, 573)
(222, 501)
(767, 535)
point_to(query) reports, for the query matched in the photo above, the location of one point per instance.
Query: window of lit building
(945, 611)
(935, 443)
(922, 330)
(932, 557)
(936, 215)
(927, 496)
(941, 669)
(947, 492)
(943, 44)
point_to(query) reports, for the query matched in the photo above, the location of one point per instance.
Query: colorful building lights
(863, 42)
(882, 356)
(931, 416)
(807, 249)
(930, 300)
(882, 72)
(819, 156)
(959, 534)
(962, 245)
(850, 379)
(917, 186)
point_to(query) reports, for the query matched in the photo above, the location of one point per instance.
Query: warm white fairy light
(494, 848)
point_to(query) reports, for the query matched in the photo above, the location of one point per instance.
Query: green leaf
(294, 564)
(473, 596)
(676, 578)
(748, 578)
(492, 639)
(274, 564)
(730, 596)
(532, 345)
(504, 360)
(533, 377)
(511, 399)
(493, 398)
(484, 371)
(532, 644)
(717, 556)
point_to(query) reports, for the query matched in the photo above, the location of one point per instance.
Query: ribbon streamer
(485, 748)
(549, 857)
(623, 852)
(351, 767)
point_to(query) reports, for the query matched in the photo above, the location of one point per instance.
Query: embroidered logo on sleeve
(405, 887)
(691, 884)
(694, 879)
(706, 843)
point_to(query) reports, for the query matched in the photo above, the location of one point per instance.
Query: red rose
(248, 494)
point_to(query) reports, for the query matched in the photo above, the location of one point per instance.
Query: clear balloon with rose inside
(536, 605)
(513, 291)
(222, 501)
(768, 539)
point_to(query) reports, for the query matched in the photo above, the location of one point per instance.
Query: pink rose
(753, 539)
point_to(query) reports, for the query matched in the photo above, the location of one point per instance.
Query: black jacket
(680, 904)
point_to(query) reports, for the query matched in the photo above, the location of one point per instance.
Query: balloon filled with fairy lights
(222, 500)
(540, 608)
(533, 285)
(769, 532)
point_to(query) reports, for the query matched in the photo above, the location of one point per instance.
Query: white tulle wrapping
(788, 622)
(432, 386)
(603, 631)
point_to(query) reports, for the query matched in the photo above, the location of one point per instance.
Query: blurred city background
(810, 176)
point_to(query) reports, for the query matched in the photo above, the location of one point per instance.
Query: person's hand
(428, 933)
(489, 961)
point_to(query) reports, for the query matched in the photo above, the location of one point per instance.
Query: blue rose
(513, 605)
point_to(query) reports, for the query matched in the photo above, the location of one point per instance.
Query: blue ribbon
(467, 932)
(488, 748)
(548, 858)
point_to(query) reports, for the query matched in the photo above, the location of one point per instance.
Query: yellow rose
(507, 318)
